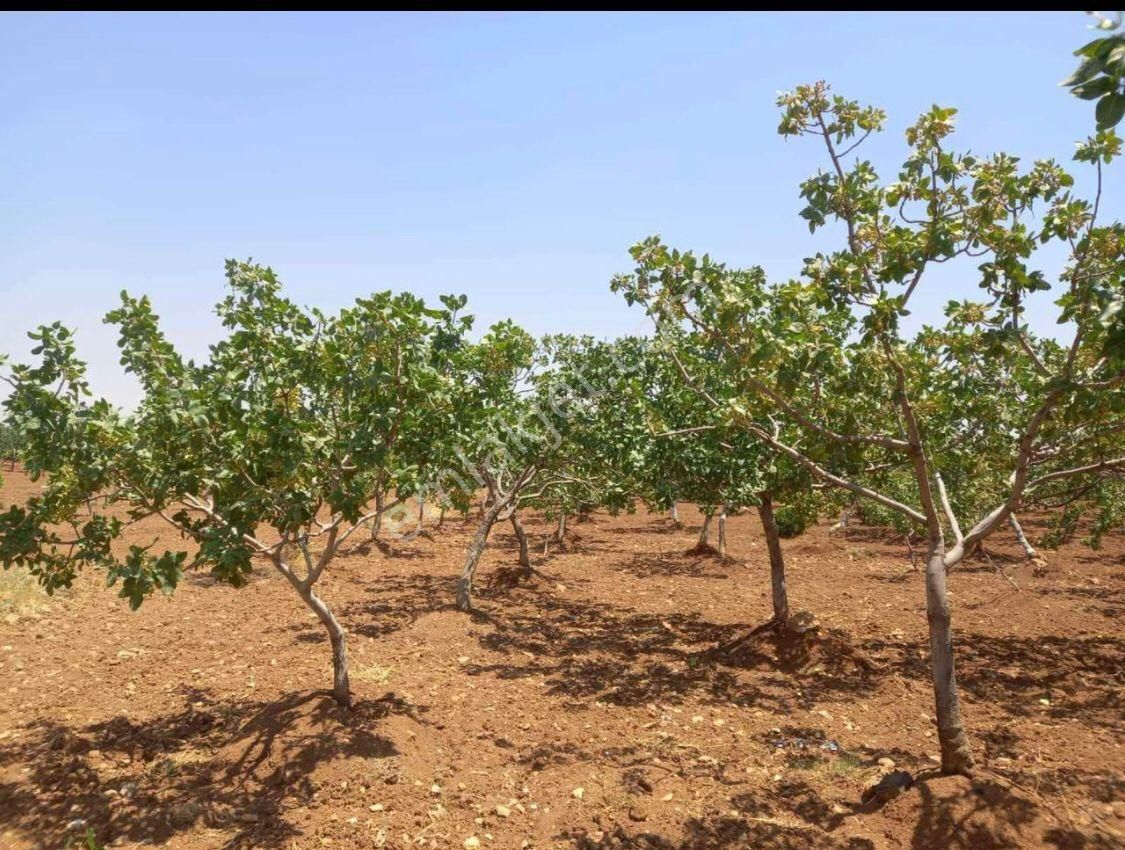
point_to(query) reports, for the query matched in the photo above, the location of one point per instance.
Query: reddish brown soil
(197, 722)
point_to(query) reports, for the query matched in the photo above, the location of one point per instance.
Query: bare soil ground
(584, 710)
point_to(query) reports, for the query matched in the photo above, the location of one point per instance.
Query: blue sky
(510, 157)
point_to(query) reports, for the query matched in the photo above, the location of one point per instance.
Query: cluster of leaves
(1100, 74)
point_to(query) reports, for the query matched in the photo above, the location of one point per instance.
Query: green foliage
(1100, 74)
(796, 515)
(291, 424)
(9, 443)
(820, 371)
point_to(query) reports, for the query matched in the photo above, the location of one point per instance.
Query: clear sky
(510, 157)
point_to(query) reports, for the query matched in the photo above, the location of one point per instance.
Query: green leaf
(1110, 110)
(1093, 89)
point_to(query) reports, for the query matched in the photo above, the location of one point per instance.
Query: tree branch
(1113, 463)
(945, 506)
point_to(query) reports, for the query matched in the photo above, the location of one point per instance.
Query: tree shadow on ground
(674, 564)
(898, 577)
(872, 534)
(237, 766)
(393, 603)
(1100, 593)
(1107, 601)
(261, 574)
(387, 549)
(827, 655)
(1079, 677)
(1102, 786)
(716, 832)
(656, 526)
(1097, 785)
(1091, 556)
(594, 650)
(948, 812)
(984, 816)
(1069, 838)
(639, 775)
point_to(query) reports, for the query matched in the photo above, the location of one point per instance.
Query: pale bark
(705, 531)
(497, 502)
(521, 538)
(1018, 483)
(950, 516)
(341, 687)
(472, 557)
(674, 513)
(845, 518)
(723, 531)
(377, 522)
(1017, 529)
(956, 755)
(777, 560)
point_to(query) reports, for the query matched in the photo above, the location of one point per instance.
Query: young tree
(583, 386)
(537, 438)
(658, 435)
(729, 466)
(494, 448)
(690, 452)
(272, 449)
(944, 207)
(9, 443)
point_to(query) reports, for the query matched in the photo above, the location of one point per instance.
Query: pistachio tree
(724, 463)
(9, 443)
(535, 432)
(498, 443)
(989, 217)
(690, 453)
(584, 388)
(644, 434)
(270, 451)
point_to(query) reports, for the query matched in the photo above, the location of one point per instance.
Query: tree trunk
(777, 561)
(441, 518)
(472, 557)
(560, 531)
(341, 688)
(674, 513)
(723, 531)
(705, 532)
(956, 756)
(1028, 549)
(377, 522)
(521, 537)
(845, 518)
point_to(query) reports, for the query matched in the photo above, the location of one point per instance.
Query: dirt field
(581, 711)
